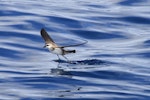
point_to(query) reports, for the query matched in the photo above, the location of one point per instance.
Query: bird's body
(54, 49)
(57, 51)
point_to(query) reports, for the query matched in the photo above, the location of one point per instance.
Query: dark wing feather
(48, 40)
(75, 44)
(46, 37)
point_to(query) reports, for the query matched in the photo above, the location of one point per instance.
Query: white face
(48, 45)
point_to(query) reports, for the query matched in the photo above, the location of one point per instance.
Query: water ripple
(114, 62)
(98, 35)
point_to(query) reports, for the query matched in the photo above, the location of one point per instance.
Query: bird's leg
(58, 61)
(58, 57)
(66, 58)
(58, 65)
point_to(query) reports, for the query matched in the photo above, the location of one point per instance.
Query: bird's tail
(70, 51)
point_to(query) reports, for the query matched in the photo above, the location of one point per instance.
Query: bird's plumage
(54, 48)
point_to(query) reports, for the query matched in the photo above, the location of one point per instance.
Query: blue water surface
(113, 65)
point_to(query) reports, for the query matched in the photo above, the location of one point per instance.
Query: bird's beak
(44, 46)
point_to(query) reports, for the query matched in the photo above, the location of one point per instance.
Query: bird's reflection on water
(60, 70)
(64, 69)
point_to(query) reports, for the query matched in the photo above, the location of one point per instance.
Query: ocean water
(113, 65)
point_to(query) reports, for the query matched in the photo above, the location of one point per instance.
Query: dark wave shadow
(130, 2)
(23, 46)
(69, 22)
(97, 35)
(10, 53)
(84, 62)
(60, 70)
(31, 37)
(146, 43)
(135, 19)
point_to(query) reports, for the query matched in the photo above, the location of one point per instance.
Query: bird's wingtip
(42, 29)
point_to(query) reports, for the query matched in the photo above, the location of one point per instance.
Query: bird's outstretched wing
(74, 45)
(48, 40)
(46, 37)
